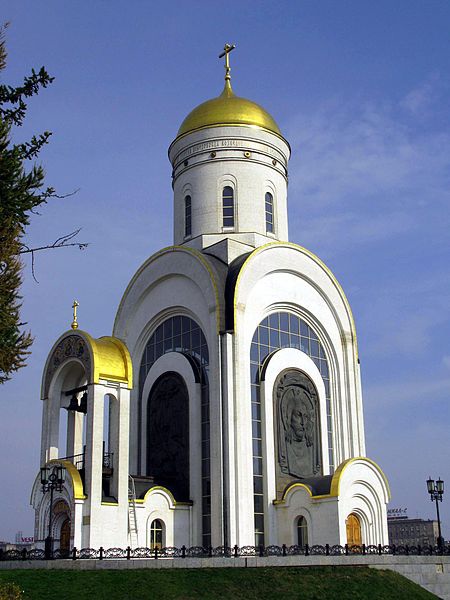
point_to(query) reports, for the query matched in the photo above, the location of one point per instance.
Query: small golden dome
(228, 109)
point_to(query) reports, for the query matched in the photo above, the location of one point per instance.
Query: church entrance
(64, 543)
(353, 530)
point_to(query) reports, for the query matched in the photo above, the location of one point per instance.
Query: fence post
(327, 549)
(346, 549)
(236, 551)
(407, 549)
(419, 549)
(183, 551)
(306, 550)
(364, 549)
(101, 553)
(261, 550)
(24, 554)
(210, 551)
(1, 553)
(379, 549)
(284, 549)
(156, 552)
(393, 549)
(128, 552)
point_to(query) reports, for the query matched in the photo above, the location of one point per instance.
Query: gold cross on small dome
(75, 322)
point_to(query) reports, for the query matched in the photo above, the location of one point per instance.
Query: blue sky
(362, 92)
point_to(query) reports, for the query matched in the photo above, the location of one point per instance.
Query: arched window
(302, 531)
(187, 216)
(182, 334)
(156, 534)
(228, 206)
(269, 212)
(280, 330)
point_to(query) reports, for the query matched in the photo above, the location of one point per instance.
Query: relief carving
(72, 346)
(298, 426)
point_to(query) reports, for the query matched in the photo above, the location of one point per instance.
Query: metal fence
(222, 551)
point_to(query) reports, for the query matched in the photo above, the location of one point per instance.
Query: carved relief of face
(297, 424)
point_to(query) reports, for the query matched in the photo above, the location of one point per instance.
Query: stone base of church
(358, 488)
(431, 572)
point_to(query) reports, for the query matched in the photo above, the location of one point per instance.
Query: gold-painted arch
(317, 260)
(160, 488)
(194, 253)
(77, 484)
(336, 481)
(102, 358)
(111, 359)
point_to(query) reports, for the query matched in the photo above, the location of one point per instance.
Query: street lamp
(51, 479)
(436, 491)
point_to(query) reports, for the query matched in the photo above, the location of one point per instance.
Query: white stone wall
(178, 281)
(250, 160)
(287, 277)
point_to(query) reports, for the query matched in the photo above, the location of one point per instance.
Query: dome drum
(229, 144)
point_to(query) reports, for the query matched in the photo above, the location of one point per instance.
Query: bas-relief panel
(297, 428)
(72, 346)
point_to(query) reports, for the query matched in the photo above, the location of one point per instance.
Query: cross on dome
(74, 324)
(226, 51)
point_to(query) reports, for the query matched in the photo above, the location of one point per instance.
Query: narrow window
(269, 212)
(156, 534)
(228, 206)
(187, 216)
(302, 531)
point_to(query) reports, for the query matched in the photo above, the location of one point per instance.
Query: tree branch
(61, 242)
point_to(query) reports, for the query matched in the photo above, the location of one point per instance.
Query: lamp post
(52, 479)
(436, 491)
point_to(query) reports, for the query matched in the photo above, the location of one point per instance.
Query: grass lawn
(306, 583)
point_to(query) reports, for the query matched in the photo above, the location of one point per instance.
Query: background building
(412, 532)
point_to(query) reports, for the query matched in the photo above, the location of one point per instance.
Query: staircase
(132, 521)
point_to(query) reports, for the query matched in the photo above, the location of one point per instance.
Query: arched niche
(168, 434)
(64, 430)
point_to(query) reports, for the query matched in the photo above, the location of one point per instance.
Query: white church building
(226, 407)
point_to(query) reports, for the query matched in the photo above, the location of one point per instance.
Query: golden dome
(228, 109)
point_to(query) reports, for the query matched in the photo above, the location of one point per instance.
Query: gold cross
(75, 322)
(226, 51)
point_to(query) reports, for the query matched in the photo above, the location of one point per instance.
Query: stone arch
(76, 362)
(72, 374)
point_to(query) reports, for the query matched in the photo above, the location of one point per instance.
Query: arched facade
(243, 423)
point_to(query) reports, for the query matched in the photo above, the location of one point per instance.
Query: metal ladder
(132, 521)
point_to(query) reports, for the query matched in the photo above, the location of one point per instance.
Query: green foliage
(21, 192)
(10, 591)
(307, 583)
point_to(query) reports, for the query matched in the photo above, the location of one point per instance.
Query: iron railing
(78, 460)
(227, 552)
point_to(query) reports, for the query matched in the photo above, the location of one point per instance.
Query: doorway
(353, 530)
(64, 544)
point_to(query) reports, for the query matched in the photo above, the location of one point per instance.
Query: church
(226, 407)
